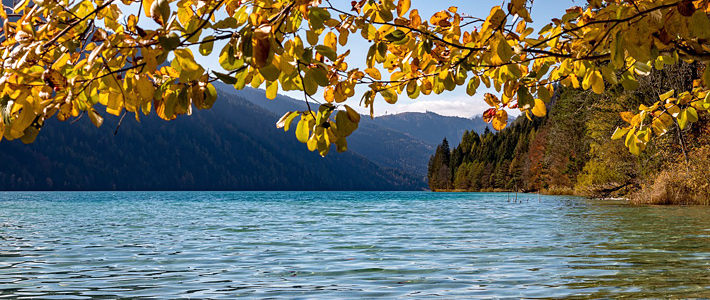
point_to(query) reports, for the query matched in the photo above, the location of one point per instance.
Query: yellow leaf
(343, 38)
(666, 95)
(627, 116)
(389, 95)
(500, 120)
(186, 65)
(597, 83)
(312, 143)
(619, 133)
(272, 89)
(146, 7)
(673, 109)
(438, 17)
(539, 109)
(502, 52)
(492, 100)
(302, 130)
(403, 7)
(329, 94)
(495, 20)
(330, 40)
(145, 88)
(374, 73)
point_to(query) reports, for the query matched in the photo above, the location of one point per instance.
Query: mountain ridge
(233, 146)
(401, 141)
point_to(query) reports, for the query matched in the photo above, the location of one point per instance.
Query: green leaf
(206, 45)
(692, 114)
(229, 22)
(473, 85)
(316, 17)
(683, 119)
(170, 42)
(320, 77)
(228, 60)
(389, 95)
(629, 82)
(210, 96)
(609, 75)
(344, 124)
(396, 36)
(225, 78)
(352, 114)
(309, 83)
(30, 134)
(700, 25)
(270, 72)
(525, 99)
(341, 145)
(327, 52)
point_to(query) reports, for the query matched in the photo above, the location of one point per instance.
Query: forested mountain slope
(571, 150)
(234, 146)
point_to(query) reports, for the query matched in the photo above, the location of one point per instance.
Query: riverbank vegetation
(569, 151)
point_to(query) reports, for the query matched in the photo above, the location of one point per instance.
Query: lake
(329, 245)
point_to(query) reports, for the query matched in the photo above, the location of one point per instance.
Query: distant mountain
(402, 141)
(234, 146)
(432, 127)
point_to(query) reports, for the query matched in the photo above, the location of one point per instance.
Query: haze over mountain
(402, 141)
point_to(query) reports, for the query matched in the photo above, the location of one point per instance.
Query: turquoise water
(334, 245)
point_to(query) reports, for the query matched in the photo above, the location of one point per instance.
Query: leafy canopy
(63, 57)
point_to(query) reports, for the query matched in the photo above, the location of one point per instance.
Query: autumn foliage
(68, 58)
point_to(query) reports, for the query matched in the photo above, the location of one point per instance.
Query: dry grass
(558, 190)
(680, 184)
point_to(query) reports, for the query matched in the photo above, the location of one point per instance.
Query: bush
(681, 183)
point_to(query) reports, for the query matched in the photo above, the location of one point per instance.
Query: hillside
(234, 146)
(402, 141)
(431, 127)
(571, 150)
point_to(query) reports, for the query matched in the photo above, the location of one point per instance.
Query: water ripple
(293, 245)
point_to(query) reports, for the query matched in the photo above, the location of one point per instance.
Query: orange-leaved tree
(63, 57)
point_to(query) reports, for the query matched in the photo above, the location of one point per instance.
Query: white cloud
(453, 106)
